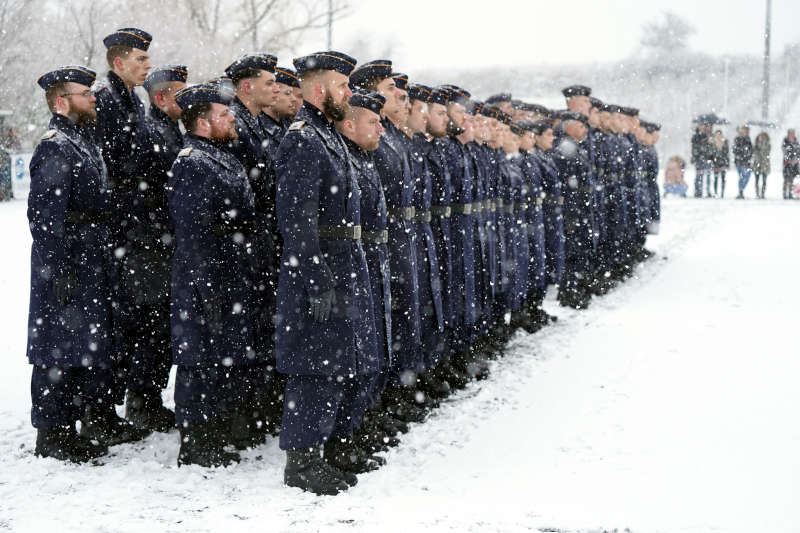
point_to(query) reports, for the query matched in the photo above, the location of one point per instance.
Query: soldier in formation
(324, 252)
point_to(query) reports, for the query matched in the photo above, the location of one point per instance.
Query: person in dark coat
(69, 208)
(391, 162)
(743, 158)
(432, 318)
(791, 163)
(537, 268)
(441, 218)
(213, 305)
(701, 158)
(276, 118)
(362, 133)
(721, 161)
(123, 138)
(325, 327)
(150, 255)
(573, 169)
(553, 203)
(254, 81)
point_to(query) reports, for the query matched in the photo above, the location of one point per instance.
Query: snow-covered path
(671, 405)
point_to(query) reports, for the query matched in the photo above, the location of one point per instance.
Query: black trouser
(150, 349)
(59, 395)
(719, 175)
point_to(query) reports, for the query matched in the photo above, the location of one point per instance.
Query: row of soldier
(325, 253)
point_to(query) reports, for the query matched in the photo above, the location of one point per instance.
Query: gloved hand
(321, 305)
(64, 288)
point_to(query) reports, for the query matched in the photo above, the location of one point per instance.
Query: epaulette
(49, 134)
(185, 152)
(297, 125)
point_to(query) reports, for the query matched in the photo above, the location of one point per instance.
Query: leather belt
(539, 201)
(336, 233)
(508, 208)
(487, 205)
(375, 237)
(422, 216)
(87, 217)
(441, 211)
(521, 206)
(477, 207)
(405, 213)
(461, 209)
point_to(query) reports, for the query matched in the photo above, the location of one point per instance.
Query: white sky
(507, 32)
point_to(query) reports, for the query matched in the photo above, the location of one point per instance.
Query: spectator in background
(743, 158)
(761, 165)
(701, 159)
(5, 176)
(673, 177)
(721, 161)
(10, 140)
(791, 163)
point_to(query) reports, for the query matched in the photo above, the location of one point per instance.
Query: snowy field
(671, 405)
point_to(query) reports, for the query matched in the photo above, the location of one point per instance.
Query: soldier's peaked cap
(371, 70)
(368, 100)
(133, 37)
(490, 111)
(400, 80)
(165, 74)
(497, 98)
(438, 96)
(417, 91)
(327, 60)
(541, 127)
(286, 76)
(573, 115)
(456, 95)
(200, 93)
(73, 73)
(576, 90)
(253, 61)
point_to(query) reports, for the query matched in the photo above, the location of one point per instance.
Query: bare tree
(205, 15)
(668, 35)
(282, 21)
(87, 16)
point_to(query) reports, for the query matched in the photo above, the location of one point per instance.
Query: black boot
(103, 424)
(373, 438)
(147, 412)
(347, 456)
(64, 444)
(399, 407)
(247, 428)
(201, 445)
(306, 470)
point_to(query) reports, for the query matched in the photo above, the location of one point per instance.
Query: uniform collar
(119, 87)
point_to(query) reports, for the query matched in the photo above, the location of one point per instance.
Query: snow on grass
(671, 405)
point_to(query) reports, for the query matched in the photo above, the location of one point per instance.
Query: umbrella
(710, 118)
(762, 123)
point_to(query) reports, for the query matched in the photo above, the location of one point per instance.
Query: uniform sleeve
(51, 183)
(299, 178)
(190, 209)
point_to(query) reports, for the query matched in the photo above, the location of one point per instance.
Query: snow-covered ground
(671, 405)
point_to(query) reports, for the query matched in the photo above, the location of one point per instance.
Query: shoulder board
(185, 152)
(49, 134)
(297, 125)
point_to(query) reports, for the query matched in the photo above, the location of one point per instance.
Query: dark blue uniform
(441, 213)
(573, 166)
(391, 162)
(123, 140)
(553, 214)
(149, 257)
(480, 214)
(462, 227)
(430, 285)
(615, 207)
(213, 303)
(374, 239)
(329, 364)
(69, 340)
(537, 271)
